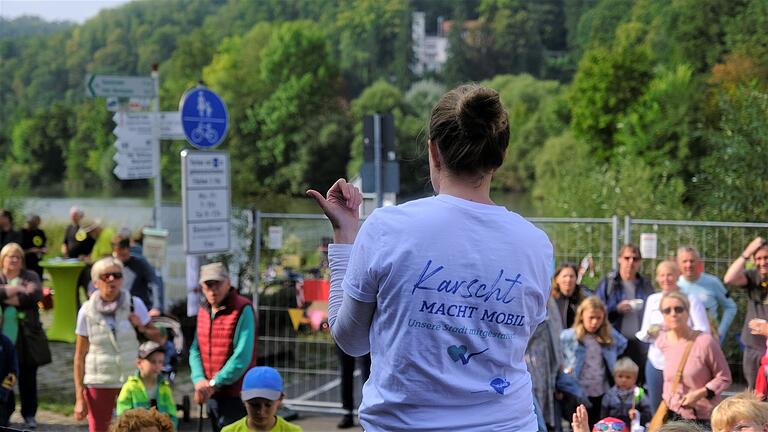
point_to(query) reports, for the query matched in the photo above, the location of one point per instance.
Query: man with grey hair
(224, 347)
(707, 288)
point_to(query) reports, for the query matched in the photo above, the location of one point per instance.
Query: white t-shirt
(139, 308)
(697, 320)
(459, 288)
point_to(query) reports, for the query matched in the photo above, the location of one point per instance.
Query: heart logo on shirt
(457, 352)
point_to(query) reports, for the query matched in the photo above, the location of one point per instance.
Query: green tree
(38, 145)
(733, 182)
(606, 84)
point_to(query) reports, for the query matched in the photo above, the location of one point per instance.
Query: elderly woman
(20, 290)
(568, 293)
(692, 394)
(105, 352)
(667, 274)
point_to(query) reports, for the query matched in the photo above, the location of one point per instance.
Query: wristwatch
(212, 383)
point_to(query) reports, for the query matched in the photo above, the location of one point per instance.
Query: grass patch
(59, 406)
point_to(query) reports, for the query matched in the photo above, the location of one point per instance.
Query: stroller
(174, 347)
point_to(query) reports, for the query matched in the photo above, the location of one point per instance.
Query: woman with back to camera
(444, 291)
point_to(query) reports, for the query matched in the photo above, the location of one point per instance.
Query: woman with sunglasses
(108, 325)
(20, 290)
(705, 372)
(667, 274)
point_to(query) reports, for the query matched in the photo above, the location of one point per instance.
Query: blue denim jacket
(574, 351)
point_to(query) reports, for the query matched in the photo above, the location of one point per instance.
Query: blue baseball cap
(262, 382)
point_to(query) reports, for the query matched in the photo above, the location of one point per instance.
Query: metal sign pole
(377, 160)
(156, 151)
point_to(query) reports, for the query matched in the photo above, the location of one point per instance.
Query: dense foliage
(646, 107)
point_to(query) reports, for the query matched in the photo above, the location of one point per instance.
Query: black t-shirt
(78, 242)
(10, 236)
(32, 238)
(757, 307)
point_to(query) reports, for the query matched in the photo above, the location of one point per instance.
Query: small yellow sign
(296, 317)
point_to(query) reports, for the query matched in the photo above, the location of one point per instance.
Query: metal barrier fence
(304, 352)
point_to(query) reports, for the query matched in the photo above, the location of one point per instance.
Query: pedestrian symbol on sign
(204, 117)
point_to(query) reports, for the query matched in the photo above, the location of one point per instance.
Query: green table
(64, 275)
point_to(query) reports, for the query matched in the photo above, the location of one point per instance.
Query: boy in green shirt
(148, 388)
(262, 393)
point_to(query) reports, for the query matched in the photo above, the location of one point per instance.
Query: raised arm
(735, 274)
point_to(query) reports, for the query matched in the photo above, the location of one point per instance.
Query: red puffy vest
(216, 337)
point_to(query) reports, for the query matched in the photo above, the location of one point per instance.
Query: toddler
(625, 400)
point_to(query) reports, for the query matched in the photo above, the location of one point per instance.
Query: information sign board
(205, 201)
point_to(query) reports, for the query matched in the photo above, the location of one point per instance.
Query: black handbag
(34, 343)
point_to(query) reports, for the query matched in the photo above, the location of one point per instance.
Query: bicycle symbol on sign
(204, 130)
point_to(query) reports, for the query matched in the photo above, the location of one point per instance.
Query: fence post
(627, 229)
(256, 216)
(615, 240)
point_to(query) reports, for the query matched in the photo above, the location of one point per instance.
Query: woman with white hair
(108, 325)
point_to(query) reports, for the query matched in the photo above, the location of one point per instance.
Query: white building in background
(430, 52)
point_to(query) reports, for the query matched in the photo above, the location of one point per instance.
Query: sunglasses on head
(608, 427)
(668, 310)
(114, 276)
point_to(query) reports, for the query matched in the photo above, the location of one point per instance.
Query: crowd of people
(467, 324)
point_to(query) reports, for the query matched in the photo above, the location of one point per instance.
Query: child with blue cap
(262, 393)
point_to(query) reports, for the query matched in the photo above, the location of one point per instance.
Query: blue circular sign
(204, 117)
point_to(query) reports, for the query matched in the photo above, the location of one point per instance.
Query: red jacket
(216, 336)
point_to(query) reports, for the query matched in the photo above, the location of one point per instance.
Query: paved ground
(48, 421)
(55, 386)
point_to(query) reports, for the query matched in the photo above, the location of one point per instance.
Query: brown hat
(213, 271)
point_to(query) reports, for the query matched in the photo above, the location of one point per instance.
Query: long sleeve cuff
(349, 319)
(338, 258)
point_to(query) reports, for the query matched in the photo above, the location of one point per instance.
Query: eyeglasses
(114, 276)
(615, 426)
(668, 310)
(631, 258)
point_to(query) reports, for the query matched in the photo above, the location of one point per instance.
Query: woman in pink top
(706, 373)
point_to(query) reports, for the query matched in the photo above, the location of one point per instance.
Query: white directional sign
(135, 146)
(124, 104)
(114, 85)
(206, 201)
(132, 173)
(170, 125)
